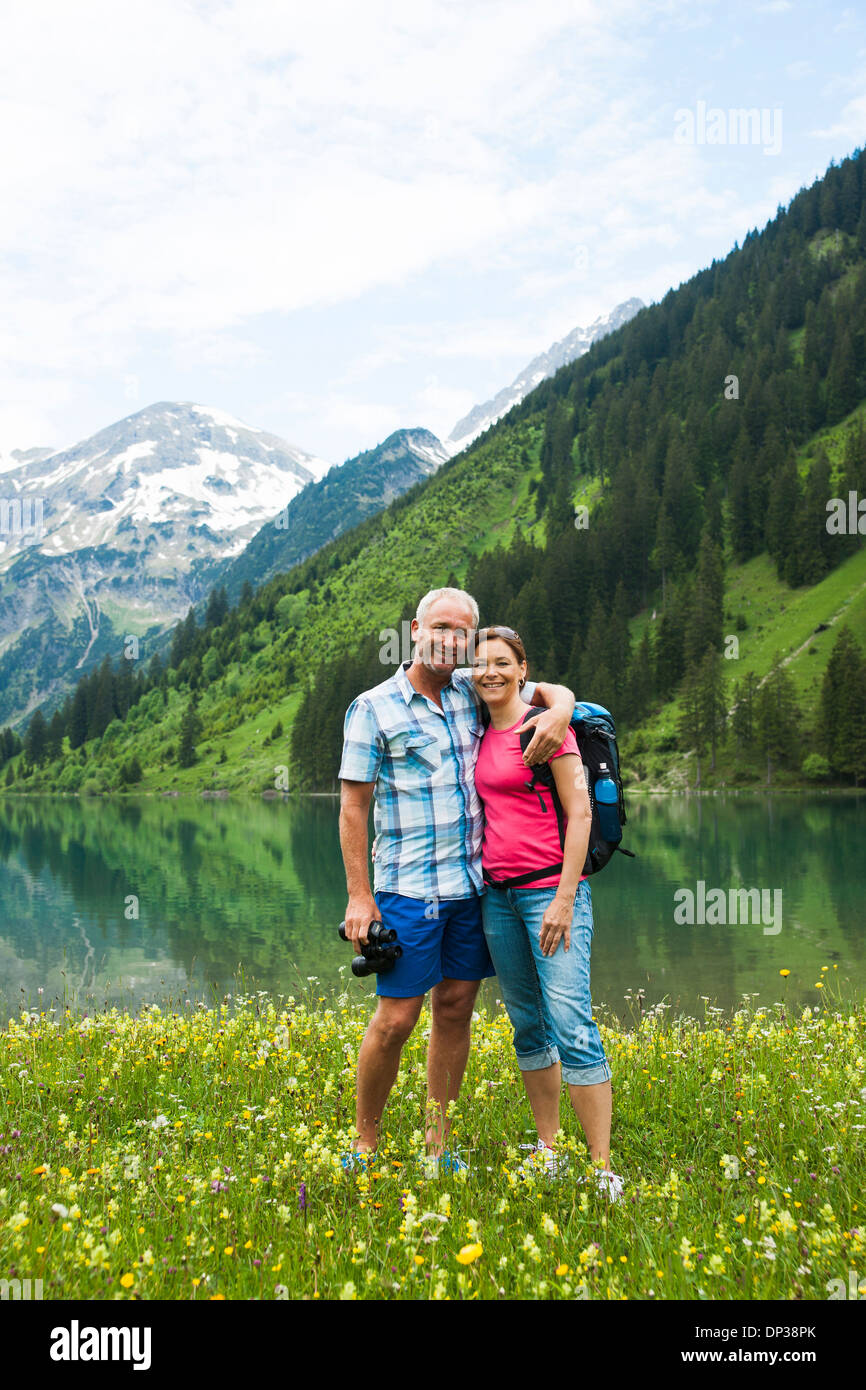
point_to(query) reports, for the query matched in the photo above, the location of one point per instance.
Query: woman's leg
(593, 1106)
(544, 1089)
(514, 963)
(565, 987)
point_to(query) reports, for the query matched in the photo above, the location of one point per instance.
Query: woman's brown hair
(506, 634)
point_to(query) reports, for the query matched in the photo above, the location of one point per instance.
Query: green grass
(195, 1154)
(781, 627)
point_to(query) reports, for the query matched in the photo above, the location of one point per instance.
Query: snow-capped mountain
(16, 458)
(180, 481)
(111, 537)
(578, 342)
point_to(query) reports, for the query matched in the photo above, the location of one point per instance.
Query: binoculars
(378, 953)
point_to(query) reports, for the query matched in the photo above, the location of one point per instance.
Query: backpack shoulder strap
(543, 773)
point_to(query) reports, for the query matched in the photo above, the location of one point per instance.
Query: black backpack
(595, 732)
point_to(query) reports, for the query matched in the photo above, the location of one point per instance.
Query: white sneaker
(543, 1162)
(610, 1185)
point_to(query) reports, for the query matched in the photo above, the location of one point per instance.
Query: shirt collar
(405, 686)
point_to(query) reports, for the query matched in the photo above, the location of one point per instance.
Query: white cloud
(175, 172)
(848, 130)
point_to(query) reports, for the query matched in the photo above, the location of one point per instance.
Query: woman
(539, 934)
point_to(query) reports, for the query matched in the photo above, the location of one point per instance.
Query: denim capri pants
(547, 997)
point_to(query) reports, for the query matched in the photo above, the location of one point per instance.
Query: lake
(157, 899)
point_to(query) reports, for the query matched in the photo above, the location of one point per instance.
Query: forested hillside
(657, 520)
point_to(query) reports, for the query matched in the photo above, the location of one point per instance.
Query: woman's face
(496, 671)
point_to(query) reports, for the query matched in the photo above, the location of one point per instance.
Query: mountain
(165, 479)
(579, 341)
(17, 457)
(655, 519)
(325, 509)
(113, 535)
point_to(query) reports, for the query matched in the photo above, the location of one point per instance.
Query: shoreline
(225, 794)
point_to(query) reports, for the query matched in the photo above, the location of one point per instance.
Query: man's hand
(359, 914)
(550, 727)
(556, 925)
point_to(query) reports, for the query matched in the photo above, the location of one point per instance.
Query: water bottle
(607, 801)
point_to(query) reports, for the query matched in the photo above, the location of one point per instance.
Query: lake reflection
(251, 886)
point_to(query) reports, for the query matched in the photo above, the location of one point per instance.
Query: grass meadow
(193, 1153)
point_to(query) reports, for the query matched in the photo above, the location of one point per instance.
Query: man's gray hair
(456, 594)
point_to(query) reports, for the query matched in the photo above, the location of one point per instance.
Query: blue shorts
(441, 941)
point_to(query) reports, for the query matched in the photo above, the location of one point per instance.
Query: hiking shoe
(610, 1185)
(453, 1163)
(447, 1162)
(543, 1162)
(353, 1161)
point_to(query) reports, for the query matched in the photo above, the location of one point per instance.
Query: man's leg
(452, 1004)
(378, 1061)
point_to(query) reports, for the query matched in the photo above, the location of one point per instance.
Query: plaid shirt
(427, 817)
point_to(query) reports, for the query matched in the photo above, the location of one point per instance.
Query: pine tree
(668, 653)
(692, 727)
(639, 689)
(36, 742)
(103, 707)
(842, 389)
(54, 741)
(741, 519)
(711, 693)
(534, 622)
(707, 608)
(589, 674)
(78, 716)
(782, 512)
(743, 714)
(665, 552)
(842, 722)
(183, 639)
(778, 720)
(217, 607)
(190, 728)
(130, 772)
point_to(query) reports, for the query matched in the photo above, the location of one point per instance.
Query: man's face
(443, 643)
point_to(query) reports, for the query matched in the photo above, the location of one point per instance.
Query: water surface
(252, 891)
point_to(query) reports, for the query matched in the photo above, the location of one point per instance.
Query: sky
(335, 219)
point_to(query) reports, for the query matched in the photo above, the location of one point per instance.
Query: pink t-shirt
(518, 835)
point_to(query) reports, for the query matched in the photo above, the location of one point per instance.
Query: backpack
(595, 732)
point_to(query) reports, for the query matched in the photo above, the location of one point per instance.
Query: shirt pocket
(423, 751)
(415, 758)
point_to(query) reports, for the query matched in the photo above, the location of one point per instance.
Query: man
(412, 742)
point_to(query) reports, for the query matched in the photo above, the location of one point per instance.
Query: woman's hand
(556, 924)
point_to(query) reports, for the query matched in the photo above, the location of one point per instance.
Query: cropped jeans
(547, 997)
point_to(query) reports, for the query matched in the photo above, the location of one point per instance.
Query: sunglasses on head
(499, 632)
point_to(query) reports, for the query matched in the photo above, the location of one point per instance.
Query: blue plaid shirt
(428, 819)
